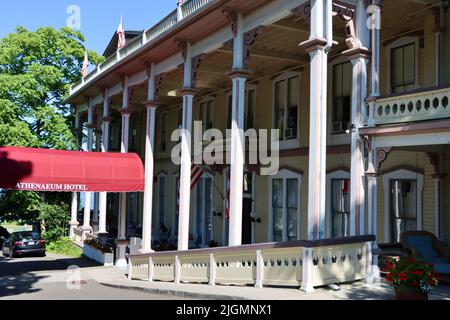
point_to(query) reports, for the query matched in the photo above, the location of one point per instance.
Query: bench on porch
(307, 264)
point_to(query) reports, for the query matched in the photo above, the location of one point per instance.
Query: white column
(74, 205)
(96, 194)
(105, 147)
(375, 62)
(372, 206)
(87, 195)
(239, 78)
(318, 46)
(185, 170)
(73, 214)
(122, 241)
(188, 94)
(151, 106)
(438, 205)
(179, 10)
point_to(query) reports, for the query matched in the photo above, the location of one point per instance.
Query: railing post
(307, 271)
(259, 269)
(130, 270)
(369, 267)
(150, 269)
(177, 269)
(212, 270)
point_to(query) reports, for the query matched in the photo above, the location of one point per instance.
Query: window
(403, 205)
(163, 136)
(206, 114)
(403, 191)
(162, 199)
(403, 68)
(115, 134)
(284, 206)
(286, 103)
(204, 210)
(340, 208)
(342, 92)
(249, 112)
(249, 116)
(134, 128)
(176, 185)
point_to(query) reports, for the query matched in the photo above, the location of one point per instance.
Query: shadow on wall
(12, 171)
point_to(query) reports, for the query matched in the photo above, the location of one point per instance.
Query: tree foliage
(36, 70)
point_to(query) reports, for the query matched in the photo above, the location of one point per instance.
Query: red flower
(390, 265)
(416, 272)
(402, 276)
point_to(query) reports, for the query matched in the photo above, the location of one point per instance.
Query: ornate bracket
(340, 9)
(196, 61)
(434, 161)
(249, 40)
(381, 156)
(158, 81)
(232, 19)
(182, 45)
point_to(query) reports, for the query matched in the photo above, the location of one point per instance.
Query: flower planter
(107, 259)
(410, 295)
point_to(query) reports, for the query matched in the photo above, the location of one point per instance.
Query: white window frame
(175, 192)
(294, 143)
(161, 135)
(335, 175)
(196, 226)
(343, 138)
(202, 117)
(401, 174)
(284, 175)
(399, 43)
(164, 175)
(248, 87)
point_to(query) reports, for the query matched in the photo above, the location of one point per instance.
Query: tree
(36, 70)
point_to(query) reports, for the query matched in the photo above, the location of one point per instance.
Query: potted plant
(98, 251)
(411, 279)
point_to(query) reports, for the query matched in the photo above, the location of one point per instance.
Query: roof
(112, 45)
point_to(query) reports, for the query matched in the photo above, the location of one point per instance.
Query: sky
(99, 18)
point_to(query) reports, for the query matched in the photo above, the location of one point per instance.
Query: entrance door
(247, 208)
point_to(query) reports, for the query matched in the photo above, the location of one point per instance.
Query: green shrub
(64, 247)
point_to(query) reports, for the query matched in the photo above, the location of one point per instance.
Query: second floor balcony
(418, 105)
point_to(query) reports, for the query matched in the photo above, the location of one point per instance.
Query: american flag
(196, 174)
(84, 69)
(121, 33)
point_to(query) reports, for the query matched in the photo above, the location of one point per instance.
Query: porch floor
(353, 291)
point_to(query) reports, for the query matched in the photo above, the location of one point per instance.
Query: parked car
(24, 242)
(4, 234)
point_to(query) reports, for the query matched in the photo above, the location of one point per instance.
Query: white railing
(415, 106)
(328, 261)
(78, 236)
(188, 8)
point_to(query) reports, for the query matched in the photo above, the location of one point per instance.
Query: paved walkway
(354, 291)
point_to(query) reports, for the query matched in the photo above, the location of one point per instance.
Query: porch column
(359, 56)
(375, 21)
(188, 94)
(95, 218)
(105, 147)
(151, 106)
(438, 227)
(87, 195)
(74, 205)
(372, 206)
(122, 242)
(318, 45)
(238, 76)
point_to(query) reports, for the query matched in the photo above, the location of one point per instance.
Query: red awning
(70, 171)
